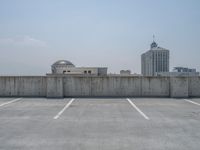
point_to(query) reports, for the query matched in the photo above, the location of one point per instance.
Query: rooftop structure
(125, 72)
(183, 69)
(66, 67)
(180, 71)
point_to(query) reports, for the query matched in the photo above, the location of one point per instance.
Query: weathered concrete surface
(100, 86)
(155, 87)
(100, 124)
(179, 87)
(54, 87)
(194, 86)
(23, 86)
(77, 86)
(116, 86)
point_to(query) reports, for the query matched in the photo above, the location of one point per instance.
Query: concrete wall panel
(101, 86)
(77, 86)
(155, 87)
(115, 86)
(179, 87)
(54, 87)
(194, 86)
(23, 86)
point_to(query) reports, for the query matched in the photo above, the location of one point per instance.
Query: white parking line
(192, 102)
(143, 114)
(12, 101)
(66, 106)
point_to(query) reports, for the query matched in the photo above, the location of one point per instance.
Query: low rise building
(125, 72)
(180, 71)
(66, 67)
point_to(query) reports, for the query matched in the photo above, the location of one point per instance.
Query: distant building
(155, 60)
(180, 71)
(66, 67)
(183, 69)
(125, 72)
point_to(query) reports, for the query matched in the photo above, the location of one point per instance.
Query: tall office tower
(154, 60)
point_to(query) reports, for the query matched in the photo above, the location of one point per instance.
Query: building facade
(154, 60)
(66, 67)
(180, 71)
(125, 72)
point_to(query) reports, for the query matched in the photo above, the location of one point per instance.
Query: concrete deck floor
(99, 124)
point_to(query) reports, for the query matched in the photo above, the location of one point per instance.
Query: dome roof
(63, 62)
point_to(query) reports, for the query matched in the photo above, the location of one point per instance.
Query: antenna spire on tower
(153, 38)
(154, 44)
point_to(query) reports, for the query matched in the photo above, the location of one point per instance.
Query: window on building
(85, 72)
(89, 71)
(64, 71)
(68, 71)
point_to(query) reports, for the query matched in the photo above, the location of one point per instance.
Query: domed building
(66, 67)
(61, 66)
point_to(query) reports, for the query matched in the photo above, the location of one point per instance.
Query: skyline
(113, 34)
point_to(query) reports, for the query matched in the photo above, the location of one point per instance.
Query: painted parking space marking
(192, 102)
(66, 106)
(132, 104)
(9, 102)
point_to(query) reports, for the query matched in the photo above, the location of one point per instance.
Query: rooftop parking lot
(99, 124)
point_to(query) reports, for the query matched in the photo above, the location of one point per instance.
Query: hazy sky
(111, 33)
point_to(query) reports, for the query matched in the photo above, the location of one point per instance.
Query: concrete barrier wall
(54, 87)
(155, 87)
(194, 86)
(23, 86)
(77, 86)
(91, 86)
(116, 86)
(179, 87)
(102, 86)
